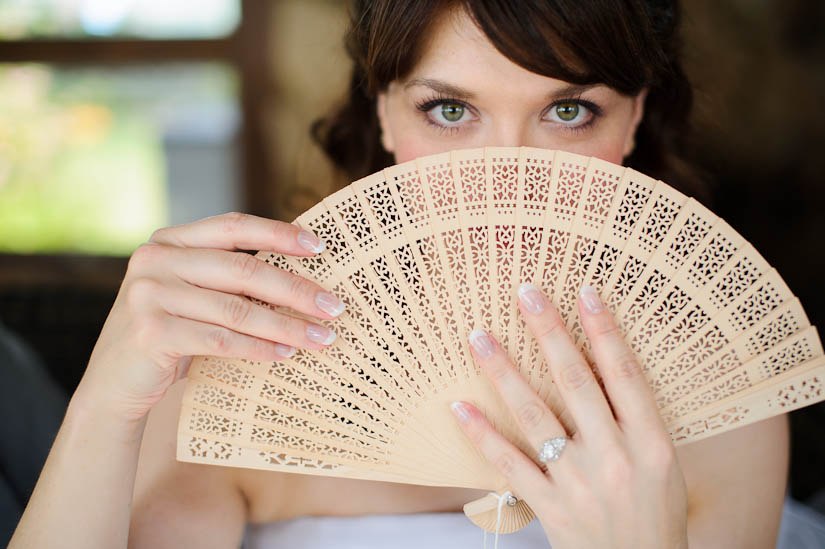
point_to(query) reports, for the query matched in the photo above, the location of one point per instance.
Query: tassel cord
(501, 499)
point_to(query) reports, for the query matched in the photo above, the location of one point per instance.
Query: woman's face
(463, 93)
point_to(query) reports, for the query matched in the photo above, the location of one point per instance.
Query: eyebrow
(441, 87)
(446, 88)
(571, 90)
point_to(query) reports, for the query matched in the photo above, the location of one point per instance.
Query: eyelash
(427, 105)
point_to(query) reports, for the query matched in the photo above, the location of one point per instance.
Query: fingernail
(319, 334)
(532, 299)
(329, 303)
(285, 351)
(460, 411)
(482, 343)
(591, 299)
(310, 242)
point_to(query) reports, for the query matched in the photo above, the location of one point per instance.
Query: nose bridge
(510, 131)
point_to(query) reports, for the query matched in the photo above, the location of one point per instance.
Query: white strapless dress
(802, 528)
(406, 531)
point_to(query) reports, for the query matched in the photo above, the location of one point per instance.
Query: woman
(596, 78)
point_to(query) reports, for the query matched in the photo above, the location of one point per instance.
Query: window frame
(245, 50)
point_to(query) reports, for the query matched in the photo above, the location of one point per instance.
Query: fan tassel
(499, 514)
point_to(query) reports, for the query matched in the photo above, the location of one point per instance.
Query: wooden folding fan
(426, 251)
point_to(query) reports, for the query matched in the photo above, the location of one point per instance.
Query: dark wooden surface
(20, 271)
(103, 51)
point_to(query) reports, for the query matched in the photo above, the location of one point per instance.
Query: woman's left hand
(617, 482)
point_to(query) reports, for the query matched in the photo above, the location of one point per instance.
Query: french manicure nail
(329, 303)
(285, 351)
(310, 242)
(591, 299)
(532, 299)
(319, 334)
(482, 343)
(460, 411)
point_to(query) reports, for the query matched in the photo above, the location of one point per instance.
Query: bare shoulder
(736, 484)
(177, 502)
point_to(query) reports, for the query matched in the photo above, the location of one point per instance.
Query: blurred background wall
(759, 69)
(117, 117)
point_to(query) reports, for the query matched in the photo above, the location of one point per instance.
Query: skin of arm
(737, 485)
(181, 504)
(81, 500)
(179, 298)
(86, 502)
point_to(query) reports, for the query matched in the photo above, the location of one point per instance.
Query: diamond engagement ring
(551, 449)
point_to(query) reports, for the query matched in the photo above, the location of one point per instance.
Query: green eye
(452, 112)
(567, 111)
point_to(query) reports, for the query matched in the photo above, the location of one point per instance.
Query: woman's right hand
(183, 295)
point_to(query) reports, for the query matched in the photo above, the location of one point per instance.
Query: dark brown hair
(627, 45)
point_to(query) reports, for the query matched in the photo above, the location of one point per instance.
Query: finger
(240, 273)
(525, 478)
(188, 337)
(534, 416)
(238, 231)
(241, 315)
(571, 373)
(625, 383)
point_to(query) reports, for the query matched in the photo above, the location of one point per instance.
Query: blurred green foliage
(80, 170)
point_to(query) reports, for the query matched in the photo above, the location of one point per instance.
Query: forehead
(455, 50)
